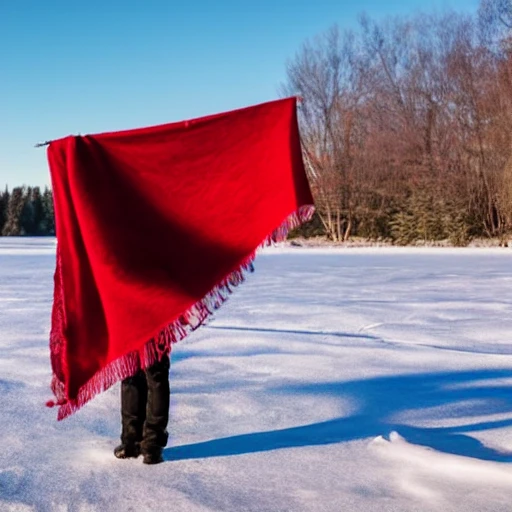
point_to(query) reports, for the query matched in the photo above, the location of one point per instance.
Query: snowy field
(333, 380)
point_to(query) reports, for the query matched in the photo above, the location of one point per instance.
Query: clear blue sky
(100, 65)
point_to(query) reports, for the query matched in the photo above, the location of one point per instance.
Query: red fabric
(154, 227)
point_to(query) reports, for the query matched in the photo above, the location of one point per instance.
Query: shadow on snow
(381, 401)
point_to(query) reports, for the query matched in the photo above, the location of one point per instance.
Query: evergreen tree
(48, 216)
(457, 225)
(32, 213)
(12, 226)
(37, 202)
(404, 227)
(4, 202)
(426, 217)
(27, 218)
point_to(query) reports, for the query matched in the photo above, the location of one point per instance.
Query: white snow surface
(332, 380)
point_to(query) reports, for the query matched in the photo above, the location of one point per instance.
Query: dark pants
(145, 407)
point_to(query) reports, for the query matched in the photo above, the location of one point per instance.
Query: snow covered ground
(333, 380)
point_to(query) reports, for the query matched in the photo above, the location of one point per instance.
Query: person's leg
(134, 392)
(154, 437)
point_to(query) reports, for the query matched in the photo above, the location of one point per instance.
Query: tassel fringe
(153, 350)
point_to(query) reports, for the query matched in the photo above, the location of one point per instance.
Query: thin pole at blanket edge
(41, 144)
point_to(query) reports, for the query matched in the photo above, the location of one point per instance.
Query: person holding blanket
(155, 226)
(145, 413)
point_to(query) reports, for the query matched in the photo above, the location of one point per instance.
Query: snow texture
(333, 380)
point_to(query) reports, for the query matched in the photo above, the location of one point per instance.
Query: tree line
(26, 211)
(406, 126)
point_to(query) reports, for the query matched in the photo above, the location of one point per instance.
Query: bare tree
(329, 78)
(410, 119)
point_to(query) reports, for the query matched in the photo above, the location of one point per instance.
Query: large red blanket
(154, 227)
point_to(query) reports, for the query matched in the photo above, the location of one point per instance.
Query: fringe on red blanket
(153, 350)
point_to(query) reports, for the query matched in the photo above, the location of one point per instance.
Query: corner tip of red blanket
(53, 403)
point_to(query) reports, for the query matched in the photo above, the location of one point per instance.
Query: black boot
(134, 394)
(154, 432)
(145, 413)
(153, 457)
(127, 451)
